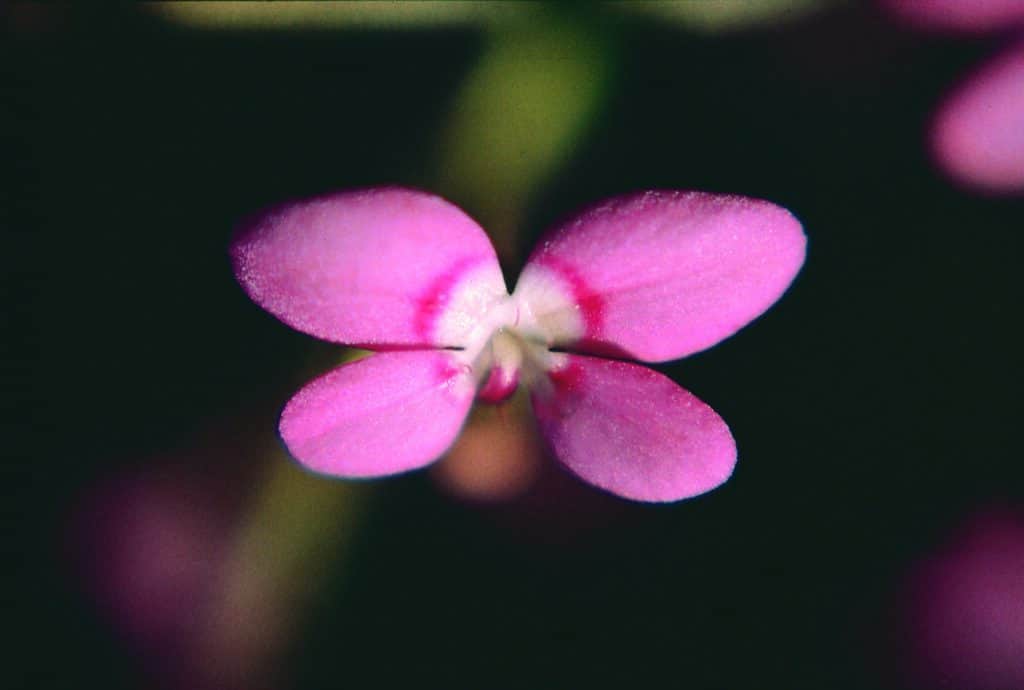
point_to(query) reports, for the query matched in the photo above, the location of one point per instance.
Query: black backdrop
(875, 407)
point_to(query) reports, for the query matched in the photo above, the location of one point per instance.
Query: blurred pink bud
(496, 458)
(977, 136)
(499, 465)
(150, 547)
(978, 133)
(964, 609)
(154, 548)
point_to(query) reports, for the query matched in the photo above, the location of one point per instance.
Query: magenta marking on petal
(591, 303)
(500, 385)
(568, 378)
(351, 267)
(676, 271)
(432, 303)
(448, 368)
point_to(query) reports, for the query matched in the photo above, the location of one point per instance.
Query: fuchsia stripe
(500, 385)
(447, 369)
(568, 378)
(592, 304)
(435, 299)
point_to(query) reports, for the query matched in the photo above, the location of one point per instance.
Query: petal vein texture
(376, 268)
(661, 275)
(633, 431)
(389, 413)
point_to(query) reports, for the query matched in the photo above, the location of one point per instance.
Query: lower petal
(632, 431)
(389, 413)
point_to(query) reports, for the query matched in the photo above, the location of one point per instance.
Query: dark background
(874, 407)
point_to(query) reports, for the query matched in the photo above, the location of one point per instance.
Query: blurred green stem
(519, 116)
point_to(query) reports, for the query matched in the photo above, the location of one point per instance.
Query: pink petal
(376, 267)
(978, 135)
(633, 431)
(388, 413)
(970, 15)
(660, 275)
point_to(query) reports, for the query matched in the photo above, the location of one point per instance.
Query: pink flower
(150, 547)
(653, 276)
(977, 135)
(963, 608)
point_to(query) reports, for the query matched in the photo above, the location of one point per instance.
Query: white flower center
(507, 337)
(503, 347)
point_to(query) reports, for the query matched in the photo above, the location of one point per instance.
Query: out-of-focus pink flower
(203, 561)
(653, 276)
(965, 610)
(961, 15)
(500, 467)
(977, 135)
(150, 547)
(156, 547)
(497, 458)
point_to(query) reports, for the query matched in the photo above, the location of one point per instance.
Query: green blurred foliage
(722, 15)
(307, 16)
(519, 115)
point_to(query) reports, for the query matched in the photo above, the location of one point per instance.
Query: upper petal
(660, 275)
(978, 134)
(632, 431)
(388, 413)
(376, 267)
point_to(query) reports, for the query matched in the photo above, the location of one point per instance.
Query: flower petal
(978, 135)
(633, 431)
(660, 275)
(376, 267)
(388, 413)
